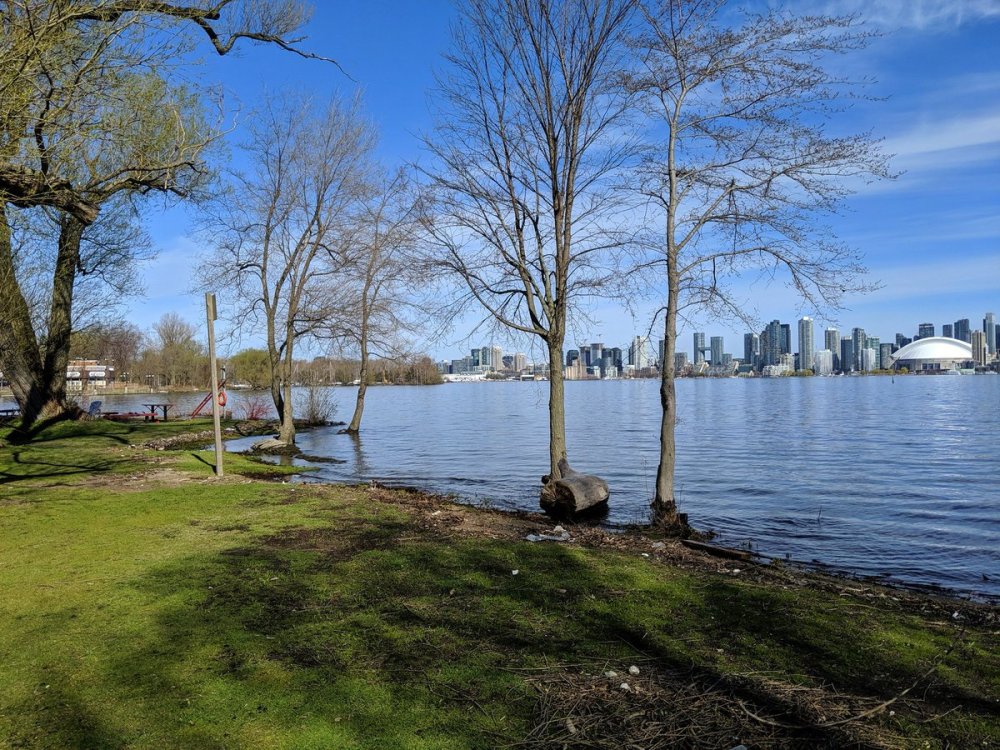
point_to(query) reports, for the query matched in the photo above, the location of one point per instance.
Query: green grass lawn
(146, 604)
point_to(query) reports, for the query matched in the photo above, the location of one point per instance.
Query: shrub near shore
(149, 605)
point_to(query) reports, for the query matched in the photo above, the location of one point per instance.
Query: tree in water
(746, 168)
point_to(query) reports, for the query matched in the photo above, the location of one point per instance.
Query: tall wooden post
(213, 315)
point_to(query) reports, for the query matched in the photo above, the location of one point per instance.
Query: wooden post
(212, 317)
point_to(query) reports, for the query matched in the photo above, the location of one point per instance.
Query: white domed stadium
(933, 353)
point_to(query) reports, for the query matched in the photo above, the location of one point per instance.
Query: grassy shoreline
(147, 604)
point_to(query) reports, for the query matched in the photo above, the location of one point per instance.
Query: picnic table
(152, 408)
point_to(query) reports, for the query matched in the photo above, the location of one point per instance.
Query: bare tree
(747, 166)
(88, 115)
(381, 278)
(526, 148)
(280, 233)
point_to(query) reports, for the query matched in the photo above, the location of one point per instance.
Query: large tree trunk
(557, 407)
(359, 405)
(57, 341)
(286, 432)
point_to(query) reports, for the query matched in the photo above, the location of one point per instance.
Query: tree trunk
(573, 492)
(557, 408)
(286, 432)
(57, 341)
(664, 503)
(359, 405)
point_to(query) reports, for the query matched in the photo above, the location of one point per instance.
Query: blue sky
(931, 237)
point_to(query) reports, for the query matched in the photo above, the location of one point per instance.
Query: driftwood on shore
(574, 492)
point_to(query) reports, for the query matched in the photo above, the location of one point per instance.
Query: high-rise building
(680, 361)
(573, 355)
(807, 347)
(925, 330)
(963, 332)
(885, 356)
(867, 360)
(859, 342)
(786, 338)
(980, 349)
(990, 329)
(751, 350)
(875, 344)
(717, 347)
(699, 348)
(520, 362)
(846, 354)
(616, 357)
(831, 339)
(770, 344)
(638, 353)
(902, 341)
(496, 357)
(948, 330)
(823, 362)
(596, 354)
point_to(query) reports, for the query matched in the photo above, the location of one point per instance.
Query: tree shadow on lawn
(378, 634)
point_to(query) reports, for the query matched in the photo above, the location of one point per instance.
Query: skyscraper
(596, 354)
(980, 349)
(751, 350)
(948, 330)
(638, 353)
(717, 347)
(990, 329)
(770, 344)
(962, 330)
(846, 354)
(925, 330)
(885, 356)
(859, 342)
(786, 338)
(699, 348)
(875, 344)
(831, 340)
(807, 348)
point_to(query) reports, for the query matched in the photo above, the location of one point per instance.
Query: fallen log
(574, 492)
(713, 549)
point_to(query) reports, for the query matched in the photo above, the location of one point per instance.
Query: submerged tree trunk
(359, 405)
(664, 503)
(557, 408)
(573, 492)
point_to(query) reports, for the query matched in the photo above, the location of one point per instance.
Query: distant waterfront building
(925, 330)
(867, 359)
(885, 356)
(980, 348)
(807, 348)
(616, 357)
(831, 340)
(823, 362)
(717, 347)
(963, 332)
(859, 342)
(638, 353)
(573, 355)
(680, 362)
(596, 354)
(902, 341)
(786, 338)
(948, 330)
(846, 354)
(699, 348)
(770, 344)
(519, 363)
(990, 329)
(496, 357)
(751, 350)
(875, 344)
(934, 354)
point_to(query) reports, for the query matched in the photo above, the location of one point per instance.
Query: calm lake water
(860, 474)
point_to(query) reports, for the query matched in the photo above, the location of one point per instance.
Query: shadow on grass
(378, 634)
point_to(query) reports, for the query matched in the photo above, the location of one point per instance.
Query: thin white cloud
(917, 15)
(955, 276)
(947, 135)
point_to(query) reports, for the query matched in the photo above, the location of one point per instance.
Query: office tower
(699, 348)
(885, 356)
(996, 335)
(680, 361)
(476, 358)
(846, 354)
(496, 357)
(990, 329)
(868, 360)
(727, 360)
(875, 344)
(520, 362)
(786, 338)
(751, 350)
(596, 354)
(608, 364)
(980, 349)
(717, 347)
(638, 353)
(859, 342)
(806, 346)
(962, 330)
(573, 355)
(831, 340)
(823, 362)
(948, 330)
(616, 356)
(925, 330)
(770, 344)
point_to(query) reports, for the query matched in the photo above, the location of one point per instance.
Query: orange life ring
(222, 398)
